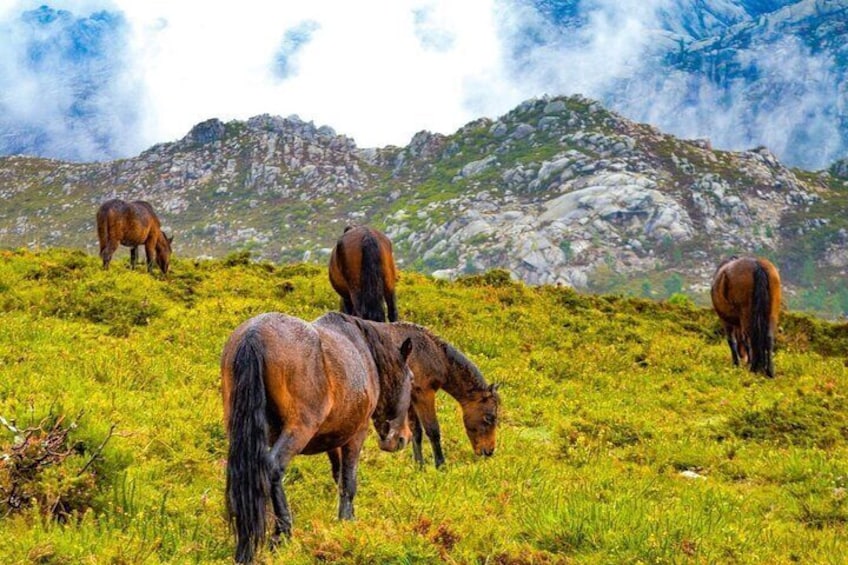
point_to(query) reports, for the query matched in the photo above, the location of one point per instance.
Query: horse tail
(248, 463)
(760, 321)
(371, 280)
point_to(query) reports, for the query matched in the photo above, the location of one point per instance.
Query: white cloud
(364, 72)
(381, 70)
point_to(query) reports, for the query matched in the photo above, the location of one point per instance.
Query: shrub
(43, 467)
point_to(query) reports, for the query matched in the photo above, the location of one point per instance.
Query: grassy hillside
(626, 434)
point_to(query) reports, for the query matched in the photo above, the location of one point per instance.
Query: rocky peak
(840, 169)
(206, 132)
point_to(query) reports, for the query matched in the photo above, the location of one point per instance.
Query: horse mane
(457, 359)
(453, 356)
(379, 346)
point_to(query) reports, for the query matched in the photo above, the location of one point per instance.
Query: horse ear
(170, 239)
(406, 348)
(494, 387)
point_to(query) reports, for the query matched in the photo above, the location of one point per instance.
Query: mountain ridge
(558, 191)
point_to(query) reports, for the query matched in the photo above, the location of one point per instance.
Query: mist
(93, 80)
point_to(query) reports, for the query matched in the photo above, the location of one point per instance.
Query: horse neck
(461, 385)
(455, 374)
(377, 344)
(161, 242)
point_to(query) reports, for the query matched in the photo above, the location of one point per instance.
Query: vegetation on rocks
(558, 191)
(626, 434)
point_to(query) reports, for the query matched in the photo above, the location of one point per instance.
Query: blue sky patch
(294, 39)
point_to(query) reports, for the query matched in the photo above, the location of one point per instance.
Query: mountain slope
(771, 73)
(559, 190)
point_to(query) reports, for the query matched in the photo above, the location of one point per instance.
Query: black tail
(760, 314)
(371, 281)
(248, 466)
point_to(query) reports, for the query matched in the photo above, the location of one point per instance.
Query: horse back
(732, 289)
(348, 362)
(346, 259)
(293, 370)
(128, 223)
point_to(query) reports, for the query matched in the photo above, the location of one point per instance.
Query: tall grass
(626, 435)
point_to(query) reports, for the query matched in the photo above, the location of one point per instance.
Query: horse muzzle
(394, 441)
(484, 451)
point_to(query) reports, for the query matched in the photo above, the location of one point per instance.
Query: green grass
(607, 401)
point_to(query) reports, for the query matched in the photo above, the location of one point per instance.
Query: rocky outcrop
(558, 191)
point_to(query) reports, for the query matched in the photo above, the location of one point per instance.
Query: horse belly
(134, 237)
(342, 424)
(325, 442)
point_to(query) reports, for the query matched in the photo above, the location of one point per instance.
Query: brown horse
(438, 365)
(363, 272)
(132, 224)
(746, 296)
(308, 388)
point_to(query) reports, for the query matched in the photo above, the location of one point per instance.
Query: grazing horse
(438, 365)
(746, 296)
(363, 272)
(132, 224)
(308, 388)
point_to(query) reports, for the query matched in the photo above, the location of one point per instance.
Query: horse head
(163, 252)
(480, 416)
(391, 418)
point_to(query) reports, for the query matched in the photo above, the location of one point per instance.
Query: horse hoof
(276, 541)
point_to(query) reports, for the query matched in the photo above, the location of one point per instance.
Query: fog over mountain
(742, 74)
(101, 79)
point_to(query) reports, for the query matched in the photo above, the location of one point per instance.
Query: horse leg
(425, 408)
(731, 341)
(347, 482)
(280, 455)
(744, 352)
(335, 456)
(417, 436)
(770, 354)
(149, 251)
(753, 359)
(391, 306)
(107, 252)
(133, 256)
(347, 479)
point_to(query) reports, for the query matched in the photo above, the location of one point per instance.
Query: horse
(746, 295)
(363, 273)
(132, 224)
(438, 365)
(292, 387)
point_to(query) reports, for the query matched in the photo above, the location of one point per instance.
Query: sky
(100, 79)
